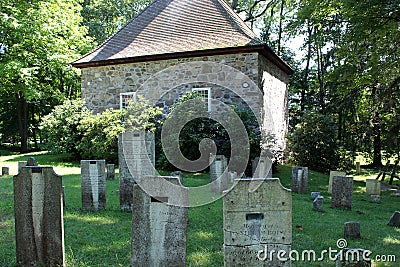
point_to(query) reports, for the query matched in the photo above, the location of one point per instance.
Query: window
(204, 93)
(125, 97)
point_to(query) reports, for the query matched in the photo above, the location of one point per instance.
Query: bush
(313, 143)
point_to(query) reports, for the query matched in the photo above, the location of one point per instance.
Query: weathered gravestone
(318, 203)
(352, 230)
(38, 217)
(110, 172)
(232, 176)
(93, 184)
(353, 257)
(218, 174)
(262, 167)
(299, 179)
(159, 222)
(375, 198)
(257, 220)
(331, 175)
(178, 174)
(136, 156)
(342, 192)
(372, 187)
(358, 167)
(395, 219)
(30, 162)
(5, 170)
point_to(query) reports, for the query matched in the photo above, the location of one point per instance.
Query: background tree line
(346, 85)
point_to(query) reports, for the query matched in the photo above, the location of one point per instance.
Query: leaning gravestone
(262, 167)
(38, 217)
(331, 175)
(299, 179)
(159, 222)
(110, 172)
(218, 174)
(257, 220)
(93, 184)
(136, 156)
(372, 187)
(395, 219)
(342, 192)
(5, 171)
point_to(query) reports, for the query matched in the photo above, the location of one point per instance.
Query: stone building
(176, 46)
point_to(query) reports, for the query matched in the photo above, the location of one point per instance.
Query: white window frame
(206, 97)
(124, 97)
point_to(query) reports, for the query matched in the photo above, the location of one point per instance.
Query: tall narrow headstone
(159, 222)
(342, 192)
(331, 175)
(110, 172)
(218, 174)
(372, 187)
(5, 170)
(136, 157)
(93, 184)
(262, 167)
(38, 217)
(299, 179)
(257, 220)
(358, 167)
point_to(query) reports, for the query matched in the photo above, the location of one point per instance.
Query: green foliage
(141, 116)
(313, 143)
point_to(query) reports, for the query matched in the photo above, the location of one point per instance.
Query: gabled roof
(178, 28)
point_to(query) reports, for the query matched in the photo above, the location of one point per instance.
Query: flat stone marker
(318, 203)
(93, 184)
(110, 172)
(372, 187)
(38, 217)
(136, 157)
(395, 219)
(5, 171)
(352, 230)
(158, 225)
(256, 219)
(353, 257)
(218, 174)
(299, 180)
(331, 175)
(342, 192)
(262, 167)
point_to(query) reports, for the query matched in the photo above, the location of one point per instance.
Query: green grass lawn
(103, 238)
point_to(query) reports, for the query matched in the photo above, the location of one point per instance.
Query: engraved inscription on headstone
(299, 179)
(342, 192)
(257, 219)
(136, 157)
(218, 174)
(38, 217)
(158, 225)
(331, 175)
(93, 184)
(372, 187)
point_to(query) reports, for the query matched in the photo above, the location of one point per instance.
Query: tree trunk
(22, 116)
(306, 71)
(376, 123)
(234, 4)
(280, 27)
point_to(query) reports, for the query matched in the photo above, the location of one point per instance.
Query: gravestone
(30, 162)
(177, 174)
(232, 176)
(218, 174)
(257, 220)
(38, 217)
(372, 187)
(136, 157)
(318, 203)
(262, 167)
(353, 257)
(358, 167)
(395, 219)
(342, 192)
(331, 175)
(5, 171)
(299, 180)
(21, 164)
(110, 172)
(314, 195)
(375, 198)
(93, 184)
(352, 230)
(159, 224)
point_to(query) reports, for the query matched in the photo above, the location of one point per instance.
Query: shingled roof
(179, 28)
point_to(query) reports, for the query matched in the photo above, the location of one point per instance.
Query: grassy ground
(103, 238)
